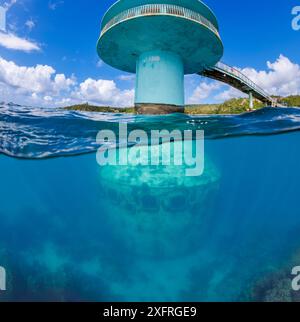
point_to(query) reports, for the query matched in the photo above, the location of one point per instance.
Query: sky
(48, 52)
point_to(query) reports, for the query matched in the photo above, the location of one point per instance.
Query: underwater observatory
(75, 230)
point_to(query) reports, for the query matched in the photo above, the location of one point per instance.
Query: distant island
(232, 106)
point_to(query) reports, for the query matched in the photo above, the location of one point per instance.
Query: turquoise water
(71, 230)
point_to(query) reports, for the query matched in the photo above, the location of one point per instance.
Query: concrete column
(159, 83)
(251, 101)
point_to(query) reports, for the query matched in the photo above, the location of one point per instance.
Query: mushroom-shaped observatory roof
(187, 28)
(195, 5)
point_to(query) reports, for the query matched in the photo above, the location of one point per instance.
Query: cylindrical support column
(251, 105)
(159, 83)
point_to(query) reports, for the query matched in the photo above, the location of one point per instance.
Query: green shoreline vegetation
(232, 106)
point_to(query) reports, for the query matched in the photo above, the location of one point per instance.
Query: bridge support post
(251, 105)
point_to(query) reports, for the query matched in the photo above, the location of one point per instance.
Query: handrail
(233, 71)
(160, 9)
(173, 10)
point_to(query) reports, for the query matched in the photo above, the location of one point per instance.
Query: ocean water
(71, 230)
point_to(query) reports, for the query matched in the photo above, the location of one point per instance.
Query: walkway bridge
(238, 80)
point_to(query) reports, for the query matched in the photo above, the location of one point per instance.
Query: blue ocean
(73, 231)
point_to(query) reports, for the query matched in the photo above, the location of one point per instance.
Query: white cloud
(104, 92)
(203, 91)
(11, 41)
(30, 24)
(100, 63)
(53, 5)
(48, 98)
(8, 4)
(126, 78)
(228, 94)
(38, 79)
(32, 85)
(41, 85)
(281, 78)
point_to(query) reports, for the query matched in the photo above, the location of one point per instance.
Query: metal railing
(160, 9)
(237, 74)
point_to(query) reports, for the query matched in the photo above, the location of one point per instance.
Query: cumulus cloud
(104, 92)
(228, 94)
(203, 91)
(42, 85)
(38, 79)
(281, 78)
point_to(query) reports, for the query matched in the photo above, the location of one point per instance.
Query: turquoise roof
(195, 5)
(197, 45)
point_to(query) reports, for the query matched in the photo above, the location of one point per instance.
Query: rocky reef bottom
(277, 285)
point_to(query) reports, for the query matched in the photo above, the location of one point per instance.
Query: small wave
(36, 133)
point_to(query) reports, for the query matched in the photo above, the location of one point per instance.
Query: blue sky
(60, 36)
